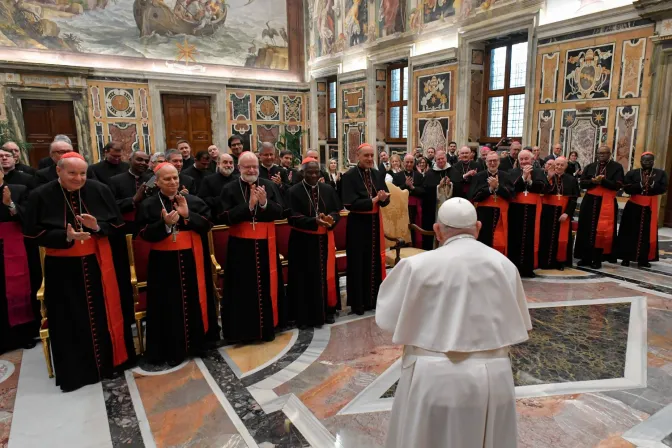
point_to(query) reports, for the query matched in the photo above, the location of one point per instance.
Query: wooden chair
(282, 231)
(397, 227)
(138, 259)
(340, 241)
(219, 242)
(44, 322)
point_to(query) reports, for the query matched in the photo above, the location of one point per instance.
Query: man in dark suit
(384, 165)
(16, 152)
(557, 152)
(187, 184)
(200, 169)
(110, 166)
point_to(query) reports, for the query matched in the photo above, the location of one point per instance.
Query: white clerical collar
(457, 237)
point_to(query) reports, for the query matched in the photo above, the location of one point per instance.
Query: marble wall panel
(292, 108)
(625, 135)
(239, 106)
(546, 131)
(588, 73)
(268, 108)
(475, 105)
(354, 134)
(632, 68)
(549, 77)
(322, 117)
(267, 133)
(354, 102)
(442, 110)
(381, 112)
(434, 133)
(584, 132)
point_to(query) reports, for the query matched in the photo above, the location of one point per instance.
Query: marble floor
(596, 372)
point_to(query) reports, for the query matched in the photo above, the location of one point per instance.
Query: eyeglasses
(6, 156)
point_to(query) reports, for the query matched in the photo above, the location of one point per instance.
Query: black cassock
(508, 163)
(523, 220)
(589, 212)
(77, 307)
(431, 181)
(103, 171)
(461, 185)
(16, 177)
(551, 228)
(210, 191)
(247, 304)
(198, 175)
(415, 198)
(308, 284)
(14, 336)
(175, 324)
(636, 233)
(363, 237)
(46, 175)
(489, 215)
(25, 169)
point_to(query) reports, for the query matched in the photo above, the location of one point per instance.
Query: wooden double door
(187, 117)
(43, 120)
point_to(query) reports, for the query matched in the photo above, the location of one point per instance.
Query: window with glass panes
(504, 92)
(332, 115)
(397, 103)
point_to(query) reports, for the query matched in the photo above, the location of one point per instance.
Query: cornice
(610, 16)
(654, 9)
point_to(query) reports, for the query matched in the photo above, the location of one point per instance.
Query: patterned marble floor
(596, 372)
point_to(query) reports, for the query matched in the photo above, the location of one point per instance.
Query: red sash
(532, 199)
(652, 202)
(500, 240)
(17, 274)
(563, 236)
(332, 295)
(190, 240)
(414, 201)
(605, 222)
(262, 231)
(381, 237)
(100, 247)
(129, 216)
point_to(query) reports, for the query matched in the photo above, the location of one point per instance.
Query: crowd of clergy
(80, 214)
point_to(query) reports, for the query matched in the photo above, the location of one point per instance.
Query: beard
(249, 178)
(226, 171)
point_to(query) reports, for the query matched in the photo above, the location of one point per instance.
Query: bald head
(464, 154)
(409, 162)
(168, 180)
(560, 165)
(524, 157)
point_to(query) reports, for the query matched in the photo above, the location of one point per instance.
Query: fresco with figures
(185, 33)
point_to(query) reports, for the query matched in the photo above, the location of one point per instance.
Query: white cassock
(462, 297)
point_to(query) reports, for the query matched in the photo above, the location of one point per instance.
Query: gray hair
(172, 152)
(156, 156)
(63, 138)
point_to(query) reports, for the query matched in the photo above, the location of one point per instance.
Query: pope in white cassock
(456, 310)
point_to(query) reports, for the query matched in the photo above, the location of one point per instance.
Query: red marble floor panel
(8, 386)
(182, 409)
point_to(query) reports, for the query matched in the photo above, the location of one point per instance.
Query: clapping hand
(260, 192)
(409, 182)
(597, 179)
(6, 196)
(325, 220)
(527, 172)
(88, 221)
(181, 206)
(563, 217)
(253, 196)
(383, 195)
(170, 218)
(445, 181)
(72, 235)
(183, 190)
(140, 194)
(277, 179)
(493, 182)
(470, 173)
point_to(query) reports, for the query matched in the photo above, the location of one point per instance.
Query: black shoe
(528, 274)
(583, 263)
(611, 259)
(330, 319)
(596, 265)
(174, 363)
(32, 343)
(644, 264)
(561, 267)
(626, 263)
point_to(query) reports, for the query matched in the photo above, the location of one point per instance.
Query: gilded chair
(138, 258)
(397, 227)
(44, 323)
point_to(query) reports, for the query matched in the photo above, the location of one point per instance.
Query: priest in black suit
(12, 175)
(410, 179)
(269, 170)
(462, 173)
(210, 189)
(109, 166)
(199, 170)
(313, 154)
(56, 150)
(14, 149)
(599, 210)
(511, 160)
(438, 189)
(184, 148)
(129, 188)
(364, 191)
(187, 184)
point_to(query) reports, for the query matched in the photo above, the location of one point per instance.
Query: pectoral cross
(494, 197)
(254, 223)
(175, 232)
(525, 192)
(559, 195)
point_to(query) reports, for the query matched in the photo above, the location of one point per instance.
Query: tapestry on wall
(588, 73)
(353, 103)
(433, 133)
(244, 131)
(434, 92)
(356, 25)
(251, 33)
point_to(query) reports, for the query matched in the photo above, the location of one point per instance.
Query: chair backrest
(395, 215)
(138, 256)
(340, 231)
(282, 231)
(220, 239)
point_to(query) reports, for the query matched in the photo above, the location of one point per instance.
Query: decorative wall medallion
(433, 132)
(268, 108)
(119, 103)
(6, 370)
(381, 75)
(477, 57)
(127, 135)
(321, 117)
(267, 133)
(244, 131)
(584, 132)
(632, 68)
(625, 135)
(354, 135)
(240, 106)
(434, 92)
(546, 130)
(292, 106)
(588, 73)
(144, 110)
(95, 103)
(353, 103)
(549, 77)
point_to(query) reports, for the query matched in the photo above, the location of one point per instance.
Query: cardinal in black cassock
(559, 204)
(72, 218)
(490, 192)
(253, 302)
(313, 283)
(180, 301)
(599, 210)
(364, 192)
(525, 214)
(410, 179)
(17, 317)
(638, 233)
(438, 188)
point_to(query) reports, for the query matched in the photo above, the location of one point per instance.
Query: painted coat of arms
(588, 73)
(434, 92)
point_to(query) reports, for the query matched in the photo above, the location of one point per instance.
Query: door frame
(217, 94)
(80, 105)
